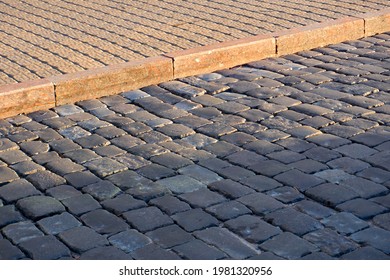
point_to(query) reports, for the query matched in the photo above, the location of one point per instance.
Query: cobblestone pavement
(42, 38)
(281, 158)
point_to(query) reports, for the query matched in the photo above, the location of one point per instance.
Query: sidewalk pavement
(42, 38)
(282, 158)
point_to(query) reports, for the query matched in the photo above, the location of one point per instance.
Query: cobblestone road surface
(42, 38)
(281, 158)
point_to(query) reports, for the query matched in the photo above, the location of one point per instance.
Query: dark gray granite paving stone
(154, 137)
(113, 100)
(131, 161)
(183, 89)
(230, 188)
(73, 132)
(176, 131)
(383, 221)
(195, 219)
(9, 251)
(207, 100)
(148, 150)
(64, 146)
(64, 166)
(365, 188)
(331, 194)
(197, 140)
(286, 156)
(45, 157)
(293, 221)
(262, 147)
(157, 122)
(265, 256)
(235, 173)
(292, 115)
(308, 166)
(329, 93)
(81, 156)
(16, 190)
(216, 129)
(280, 123)
(381, 160)
(339, 117)
(295, 144)
(311, 110)
(122, 203)
(92, 141)
(63, 192)
(58, 223)
(196, 155)
(198, 250)
(370, 139)
(243, 86)
(342, 130)
(224, 240)
(129, 241)
(34, 147)
(147, 219)
(313, 209)
(285, 101)
(105, 253)
(21, 231)
(201, 174)
(101, 112)
(334, 176)
(81, 179)
(154, 252)
(81, 204)
(122, 109)
(271, 135)
(374, 174)
(286, 194)
(7, 145)
(261, 183)
(12, 157)
(206, 112)
(361, 101)
(135, 94)
(25, 168)
(303, 132)
(69, 109)
(271, 108)
(45, 248)
(110, 132)
(9, 215)
(59, 123)
(322, 154)
(192, 121)
(231, 107)
(317, 122)
(365, 253)
(348, 164)
(109, 151)
(362, 208)
(269, 167)
(141, 116)
(331, 242)
(42, 115)
(383, 200)
(171, 160)
(187, 105)
(104, 222)
(81, 239)
(362, 124)
(127, 142)
(288, 245)
(202, 198)
(148, 191)
(228, 210)
(260, 203)
(136, 128)
(19, 120)
(105, 166)
(170, 236)
(36, 207)
(361, 112)
(23, 136)
(170, 204)
(222, 149)
(345, 223)
(298, 179)
(102, 190)
(90, 104)
(173, 113)
(375, 237)
(319, 256)
(238, 138)
(356, 151)
(181, 184)
(245, 158)
(252, 228)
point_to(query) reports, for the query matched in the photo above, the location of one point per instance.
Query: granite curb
(47, 93)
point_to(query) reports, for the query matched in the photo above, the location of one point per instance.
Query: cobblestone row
(282, 158)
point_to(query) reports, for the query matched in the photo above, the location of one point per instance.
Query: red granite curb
(94, 83)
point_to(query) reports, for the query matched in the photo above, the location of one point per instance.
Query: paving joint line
(58, 90)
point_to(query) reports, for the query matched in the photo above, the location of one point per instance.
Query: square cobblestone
(63, 192)
(9, 215)
(127, 179)
(170, 204)
(147, 219)
(230, 188)
(170, 236)
(45, 248)
(58, 223)
(9, 251)
(105, 166)
(102, 190)
(298, 179)
(122, 203)
(201, 174)
(105, 253)
(181, 184)
(81, 204)
(362, 208)
(313, 209)
(129, 241)
(260, 203)
(375, 237)
(64, 166)
(345, 223)
(16, 190)
(81, 179)
(21, 231)
(81, 239)
(365, 253)
(365, 188)
(171, 160)
(104, 222)
(154, 252)
(331, 194)
(36, 207)
(202, 198)
(198, 250)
